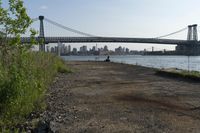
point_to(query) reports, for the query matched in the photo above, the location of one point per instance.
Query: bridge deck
(104, 40)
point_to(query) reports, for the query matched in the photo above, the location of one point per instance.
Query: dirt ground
(102, 97)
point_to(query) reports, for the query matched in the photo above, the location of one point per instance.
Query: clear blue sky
(125, 18)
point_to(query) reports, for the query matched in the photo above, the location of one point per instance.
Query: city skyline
(64, 49)
(112, 46)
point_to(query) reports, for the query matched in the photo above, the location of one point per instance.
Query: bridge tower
(41, 35)
(192, 46)
(192, 33)
(195, 33)
(189, 36)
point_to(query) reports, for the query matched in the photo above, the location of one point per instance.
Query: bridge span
(104, 40)
(190, 46)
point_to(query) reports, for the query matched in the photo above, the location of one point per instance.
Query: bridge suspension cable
(69, 29)
(35, 19)
(172, 33)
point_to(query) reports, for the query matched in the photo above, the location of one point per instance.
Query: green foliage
(185, 73)
(14, 19)
(22, 86)
(192, 75)
(24, 75)
(62, 68)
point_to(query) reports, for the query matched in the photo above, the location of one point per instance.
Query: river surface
(181, 62)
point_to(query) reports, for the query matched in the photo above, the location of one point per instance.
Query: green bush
(24, 75)
(23, 82)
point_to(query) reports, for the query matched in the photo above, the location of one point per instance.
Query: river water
(181, 62)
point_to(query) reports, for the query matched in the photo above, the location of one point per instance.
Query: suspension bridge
(189, 46)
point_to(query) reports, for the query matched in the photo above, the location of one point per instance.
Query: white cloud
(44, 7)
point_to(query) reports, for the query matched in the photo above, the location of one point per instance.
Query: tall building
(74, 51)
(127, 50)
(94, 48)
(52, 50)
(69, 48)
(60, 48)
(57, 50)
(124, 49)
(66, 50)
(105, 48)
(48, 48)
(83, 49)
(119, 50)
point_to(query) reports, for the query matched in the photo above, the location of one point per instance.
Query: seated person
(108, 59)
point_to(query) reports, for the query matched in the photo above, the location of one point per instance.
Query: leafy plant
(24, 75)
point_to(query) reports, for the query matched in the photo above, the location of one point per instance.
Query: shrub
(23, 85)
(24, 75)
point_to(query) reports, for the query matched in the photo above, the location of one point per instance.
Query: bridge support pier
(188, 48)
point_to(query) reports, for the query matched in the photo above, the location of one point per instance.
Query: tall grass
(191, 75)
(24, 78)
